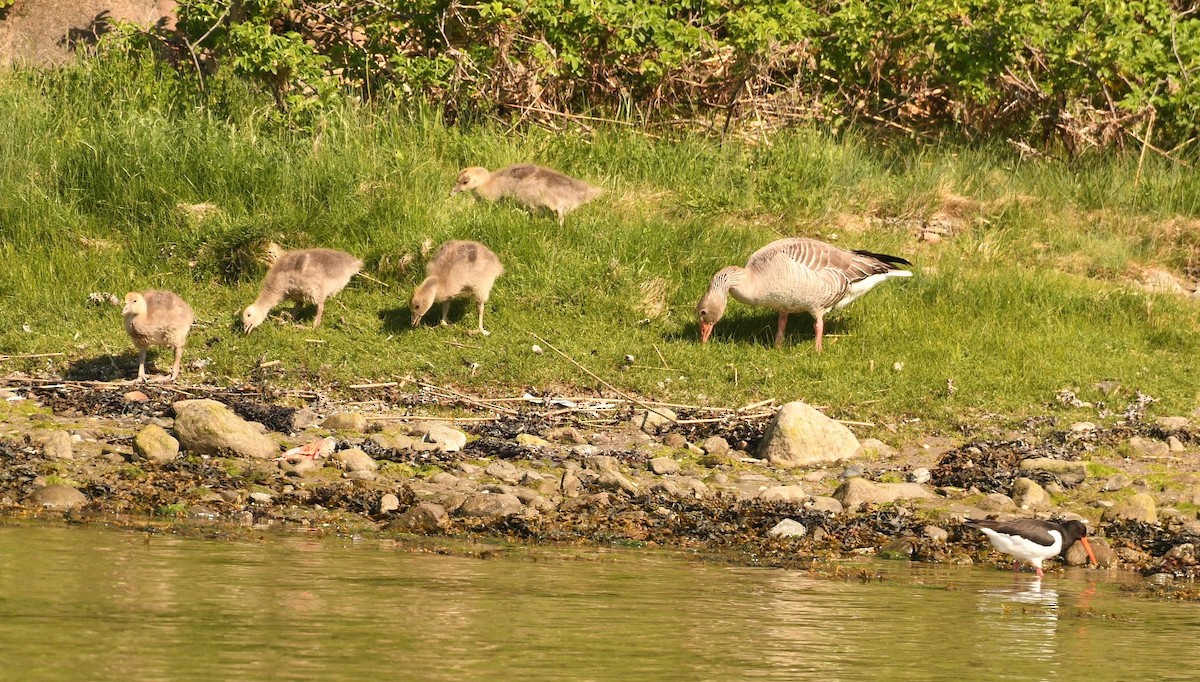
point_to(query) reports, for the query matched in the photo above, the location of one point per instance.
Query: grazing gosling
(457, 268)
(303, 276)
(157, 318)
(533, 186)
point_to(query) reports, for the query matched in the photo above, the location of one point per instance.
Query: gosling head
(135, 304)
(469, 179)
(252, 316)
(422, 300)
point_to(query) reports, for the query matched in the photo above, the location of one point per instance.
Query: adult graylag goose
(458, 268)
(303, 276)
(797, 275)
(533, 186)
(157, 318)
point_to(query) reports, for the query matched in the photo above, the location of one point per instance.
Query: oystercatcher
(1033, 540)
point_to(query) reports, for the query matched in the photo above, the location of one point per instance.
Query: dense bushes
(1083, 72)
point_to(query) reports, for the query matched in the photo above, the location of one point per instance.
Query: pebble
(920, 475)
(261, 498)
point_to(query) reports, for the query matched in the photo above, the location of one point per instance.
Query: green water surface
(91, 603)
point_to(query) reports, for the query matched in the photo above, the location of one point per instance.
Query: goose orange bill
(1087, 546)
(706, 329)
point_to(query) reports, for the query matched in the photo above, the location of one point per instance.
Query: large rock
(858, 491)
(783, 493)
(1136, 507)
(57, 498)
(715, 445)
(448, 438)
(207, 427)
(504, 471)
(1106, 557)
(490, 505)
(392, 439)
(1149, 446)
(788, 528)
(353, 459)
(345, 421)
(153, 443)
(664, 466)
(1027, 494)
(800, 435)
(426, 518)
(55, 444)
(651, 421)
(823, 504)
(998, 502)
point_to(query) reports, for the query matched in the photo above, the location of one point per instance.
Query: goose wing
(824, 269)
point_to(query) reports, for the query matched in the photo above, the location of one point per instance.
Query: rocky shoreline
(792, 488)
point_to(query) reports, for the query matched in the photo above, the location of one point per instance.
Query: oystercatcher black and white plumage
(1032, 540)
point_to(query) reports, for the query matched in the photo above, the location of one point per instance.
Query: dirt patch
(47, 32)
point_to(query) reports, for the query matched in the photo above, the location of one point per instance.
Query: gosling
(157, 318)
(303, 276)
(533, 186)
(458, 268)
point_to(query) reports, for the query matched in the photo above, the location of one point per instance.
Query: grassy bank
(1034, 290)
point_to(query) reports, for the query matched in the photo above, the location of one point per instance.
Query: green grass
(1034, 293)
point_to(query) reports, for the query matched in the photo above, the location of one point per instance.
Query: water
(94, 603)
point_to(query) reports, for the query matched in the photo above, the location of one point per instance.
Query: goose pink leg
(819, 326)
(782, 327)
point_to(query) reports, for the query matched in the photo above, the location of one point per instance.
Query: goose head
(422, 300)
(712, 306)
(135, 304)
(469, 179)
(252, 316)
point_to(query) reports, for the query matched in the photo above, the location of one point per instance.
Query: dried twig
(30, 356)
(602, 381)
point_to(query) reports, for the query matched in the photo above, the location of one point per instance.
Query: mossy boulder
(1137, 507)
(208, 427)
